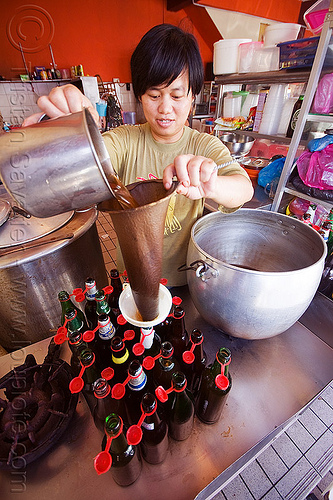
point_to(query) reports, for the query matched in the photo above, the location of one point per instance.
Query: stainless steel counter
(272, 380)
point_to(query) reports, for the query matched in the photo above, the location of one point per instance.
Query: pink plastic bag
(323, 100)
(316, 169)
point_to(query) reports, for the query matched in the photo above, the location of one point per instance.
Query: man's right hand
(62, 101)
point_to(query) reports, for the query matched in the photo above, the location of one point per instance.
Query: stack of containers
(273, 109)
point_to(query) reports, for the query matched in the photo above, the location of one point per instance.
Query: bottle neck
(147, 337)
(91, 291)
(106, 330)
(139, 381)
(120, 357)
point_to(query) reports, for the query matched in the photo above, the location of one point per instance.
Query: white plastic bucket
(225, 58)
(280, 32)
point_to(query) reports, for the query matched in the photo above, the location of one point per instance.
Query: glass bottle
(74, 321)
(212, 398)
(150, 341)
(90, 375)
(154, 444)
(163, 329)
(102, 307)
(177, 333)
(135, 389)
(120, 359)
(181, 416)
(76, 345)
(193, 371)
(104, 404)
(294, 116)
(106, 332)
(126, 463)
(165, 366)
(113, 298)
(67, 304)
(91, 305)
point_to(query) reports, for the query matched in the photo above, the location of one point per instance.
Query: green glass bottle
(74, 321)
(126, 463)
(212, 394)
(102, 307)
(181, 416)
(67, 304)
(155, 443)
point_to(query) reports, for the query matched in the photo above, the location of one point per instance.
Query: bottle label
(147, 337)
(106, 332)
(136, 384)
(149, 427)
(120, 361)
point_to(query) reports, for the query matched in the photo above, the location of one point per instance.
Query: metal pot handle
(202, 270)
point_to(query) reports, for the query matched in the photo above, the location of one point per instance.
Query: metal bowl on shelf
(238, 145)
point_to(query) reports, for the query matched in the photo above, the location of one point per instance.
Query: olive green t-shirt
(135, 155)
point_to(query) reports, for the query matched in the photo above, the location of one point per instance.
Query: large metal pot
(39, 258)
(56, 165)
(253, 273)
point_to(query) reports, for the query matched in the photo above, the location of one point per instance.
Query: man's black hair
(162, 54)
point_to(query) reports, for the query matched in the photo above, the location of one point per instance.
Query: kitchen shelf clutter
(309, 77)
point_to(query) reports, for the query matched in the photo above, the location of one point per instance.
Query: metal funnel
(140, 235)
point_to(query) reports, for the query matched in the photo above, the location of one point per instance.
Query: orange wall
(99, 34)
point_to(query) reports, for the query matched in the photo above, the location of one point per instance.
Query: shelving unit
(311, 77)
(304, 116)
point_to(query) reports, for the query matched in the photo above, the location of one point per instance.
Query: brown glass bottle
(165, 366)
(113, 298)
(76, 345)
(104, 404)
(126, 463)
(104, 336)
(193, 371)
(90, 305)
(211, 398)
(120, 359)
(135, 389)
(181, 415)
(177, 333)
(154, 444)
(90, 375)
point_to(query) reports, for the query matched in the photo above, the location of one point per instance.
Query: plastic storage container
(280, 32)
(225, 59)
(298, 53)
(314, 17)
